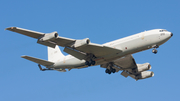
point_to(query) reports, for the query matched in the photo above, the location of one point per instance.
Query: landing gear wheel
(108, 71)
(154, 51)
(88, 63)
(93, 62)
(113, 70)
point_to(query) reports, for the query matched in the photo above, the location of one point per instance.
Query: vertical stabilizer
(54, 54)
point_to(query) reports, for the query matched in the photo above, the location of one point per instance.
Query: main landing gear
(90, 62)
(154, 50)
(111, 70)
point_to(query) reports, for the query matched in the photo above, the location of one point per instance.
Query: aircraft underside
(114, 56)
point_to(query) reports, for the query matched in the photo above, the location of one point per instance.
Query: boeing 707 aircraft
(114, 56)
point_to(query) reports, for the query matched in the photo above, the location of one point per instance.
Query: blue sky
(101, 21)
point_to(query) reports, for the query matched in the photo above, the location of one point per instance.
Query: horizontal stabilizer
(39, 61)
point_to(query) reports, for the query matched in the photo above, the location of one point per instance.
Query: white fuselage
(129, 45)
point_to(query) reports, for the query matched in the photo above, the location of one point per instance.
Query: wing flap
(39, 61)
(126, 62)
(99, 50)
(74, 53)
(62, 41)
(47, 43)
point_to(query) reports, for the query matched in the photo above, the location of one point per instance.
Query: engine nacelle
(142, 67)
(144, 75)
(80, 43)
(49, 36)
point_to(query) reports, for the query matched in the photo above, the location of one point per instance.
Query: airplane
(114, 56)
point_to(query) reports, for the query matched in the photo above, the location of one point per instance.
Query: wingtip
(10, 28)
(23, 56)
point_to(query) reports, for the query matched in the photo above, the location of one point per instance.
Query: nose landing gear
(154, 50)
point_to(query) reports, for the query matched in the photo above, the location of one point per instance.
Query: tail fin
(54, 54)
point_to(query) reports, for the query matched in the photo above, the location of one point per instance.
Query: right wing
(99, 50)
(77, 48)
(48, 39)
(26, 32)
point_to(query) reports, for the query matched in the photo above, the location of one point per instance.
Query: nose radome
(171, 34)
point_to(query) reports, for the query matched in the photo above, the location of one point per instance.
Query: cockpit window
(163, 30)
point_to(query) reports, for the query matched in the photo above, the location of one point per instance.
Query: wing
(126, 62)
(48, 39)
(77, 48)
(129, 68)
(99, 50)
(26, 32)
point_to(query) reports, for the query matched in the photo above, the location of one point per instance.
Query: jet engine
(144, 75)
(142, 67)
(49, 36)
(80, 43)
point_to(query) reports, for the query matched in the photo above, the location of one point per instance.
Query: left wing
(126, 62)
(129, 68)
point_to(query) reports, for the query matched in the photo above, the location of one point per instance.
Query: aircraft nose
(171, 34)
